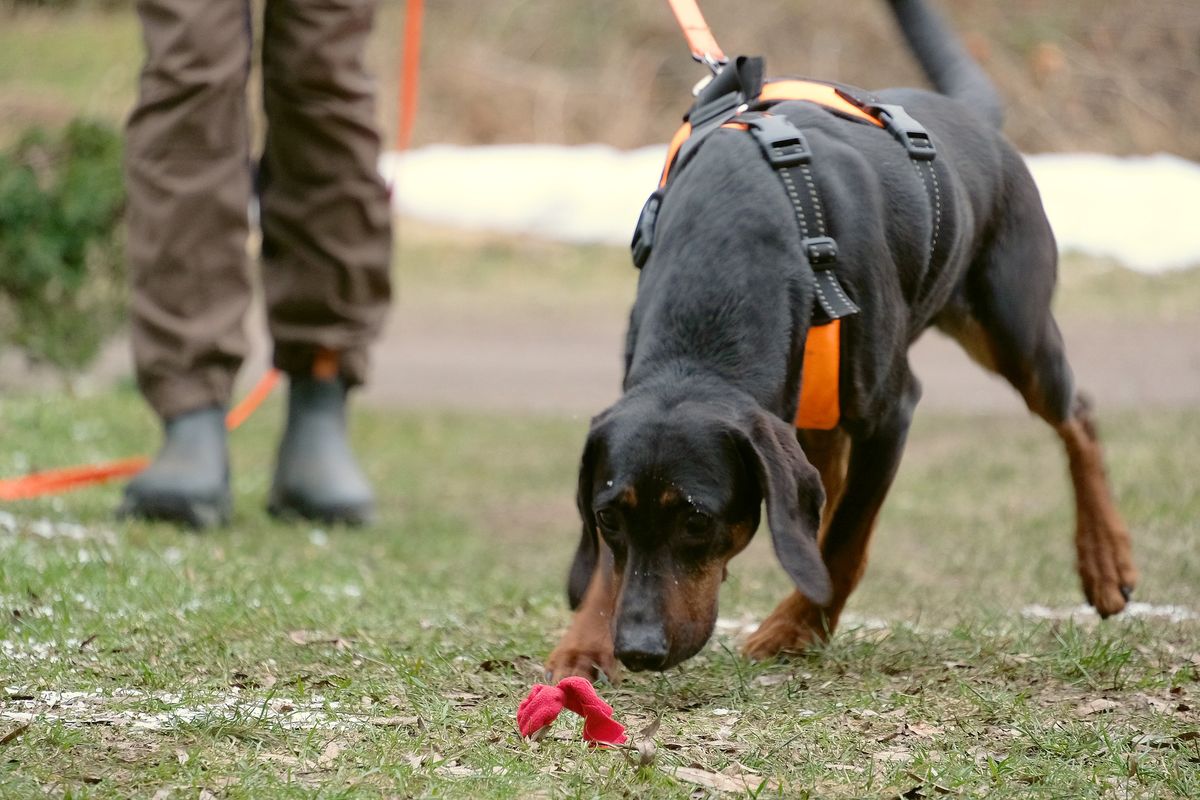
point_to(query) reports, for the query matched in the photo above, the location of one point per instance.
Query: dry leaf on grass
(1100, 705)
(1157, 703)
(13, 734)
(456, 771)
(285, 759)
(923, 730)
(304, 638)
(395, 722)
(716, 780)
(1148, 740)
(893, 755)
(643, 745)
(773, 679)
(329, 755)
(463, 698)
(844, 768)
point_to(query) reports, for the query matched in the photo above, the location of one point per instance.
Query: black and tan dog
(673, 475)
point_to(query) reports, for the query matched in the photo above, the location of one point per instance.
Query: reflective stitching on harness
(790, 185)
(837, 288)
(821, 299)
(812, 192)
(937, 202)
(937, 205)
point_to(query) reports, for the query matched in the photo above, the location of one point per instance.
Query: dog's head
(674, 490)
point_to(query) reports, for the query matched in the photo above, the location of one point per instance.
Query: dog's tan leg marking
(796, 622)
(829, 452)
(586, 649)
(1102, 541)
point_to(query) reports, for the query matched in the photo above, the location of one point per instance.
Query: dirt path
(436, 358)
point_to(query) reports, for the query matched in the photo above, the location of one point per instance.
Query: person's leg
(188, 178)
(326, 242)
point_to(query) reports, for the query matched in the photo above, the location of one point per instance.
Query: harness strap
(832, 98)
(788, 153)
(917, 143)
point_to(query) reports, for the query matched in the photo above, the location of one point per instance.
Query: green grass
(412, 643)
(399, 654)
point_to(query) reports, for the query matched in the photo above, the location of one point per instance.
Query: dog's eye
(698, 524)
(607, 519)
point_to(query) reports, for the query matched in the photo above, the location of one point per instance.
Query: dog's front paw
(586, 661)
(775, 637)
(792, 627)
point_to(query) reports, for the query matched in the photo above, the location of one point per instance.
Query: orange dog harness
(738, 98)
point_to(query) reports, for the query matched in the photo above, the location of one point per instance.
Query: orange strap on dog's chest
(820, 406)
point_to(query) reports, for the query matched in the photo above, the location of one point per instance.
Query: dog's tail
(945, 60)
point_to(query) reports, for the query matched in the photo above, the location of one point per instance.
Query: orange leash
(409, 71)
(700, 39)
(54, 481)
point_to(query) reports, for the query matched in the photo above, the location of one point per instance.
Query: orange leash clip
(699, 38)
(54, 481)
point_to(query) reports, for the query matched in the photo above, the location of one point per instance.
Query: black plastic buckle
(782, 142)
(907, 131)
(643, 234)
(821, 251)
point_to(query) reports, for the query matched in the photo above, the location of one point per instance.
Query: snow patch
(1140, 211)
(95, 708)
(1085, 613)
(53, 529)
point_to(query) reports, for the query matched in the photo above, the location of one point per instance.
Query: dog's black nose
(642, 650)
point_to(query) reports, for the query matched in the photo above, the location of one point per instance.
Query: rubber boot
(316, 475)
(188, 481)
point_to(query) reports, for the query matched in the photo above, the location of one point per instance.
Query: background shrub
(62, 277)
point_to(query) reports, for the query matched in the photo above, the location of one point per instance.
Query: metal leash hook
(712, 62)
(700, 39)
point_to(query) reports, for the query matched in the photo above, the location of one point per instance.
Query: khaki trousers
(324, 210)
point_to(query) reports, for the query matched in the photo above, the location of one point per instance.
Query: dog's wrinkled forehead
(691, 458)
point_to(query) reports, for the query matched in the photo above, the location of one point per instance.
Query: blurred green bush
(62, 275)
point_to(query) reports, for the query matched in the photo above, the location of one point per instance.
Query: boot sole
(292, 508)
(196, 513)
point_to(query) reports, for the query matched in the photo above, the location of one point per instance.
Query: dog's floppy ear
(585, 555)
(794, 495)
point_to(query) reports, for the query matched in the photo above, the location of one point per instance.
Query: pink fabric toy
(544, 703)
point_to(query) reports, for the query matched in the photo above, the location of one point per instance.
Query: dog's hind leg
(861, 484)
(1006, 326)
